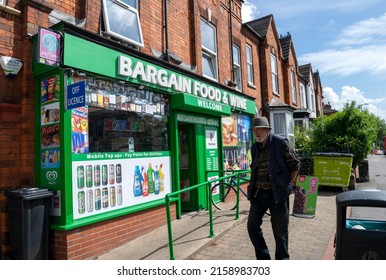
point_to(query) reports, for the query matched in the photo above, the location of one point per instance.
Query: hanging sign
(48, 47)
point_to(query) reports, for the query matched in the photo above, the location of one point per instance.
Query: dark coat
(279, 173)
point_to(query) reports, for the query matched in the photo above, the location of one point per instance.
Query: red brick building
(200, 42)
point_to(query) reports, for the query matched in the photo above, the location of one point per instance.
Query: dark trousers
(279, 220)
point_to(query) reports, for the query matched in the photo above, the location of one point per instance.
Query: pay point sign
(76, 95)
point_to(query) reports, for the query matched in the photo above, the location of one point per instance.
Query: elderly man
(274, 167)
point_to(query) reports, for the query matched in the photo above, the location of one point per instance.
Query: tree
(303, 141)
(381, 124)
(348, 131)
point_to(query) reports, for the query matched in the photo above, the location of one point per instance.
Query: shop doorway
(199, 152)
(187, 165)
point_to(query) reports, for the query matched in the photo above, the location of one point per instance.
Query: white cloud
(368, 31)
(249, 11)
(349, 61)
(348, 94)
(360, 48)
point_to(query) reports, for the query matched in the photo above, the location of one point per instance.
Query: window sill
(251, 85)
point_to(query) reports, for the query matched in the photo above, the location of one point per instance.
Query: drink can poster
(306, 193)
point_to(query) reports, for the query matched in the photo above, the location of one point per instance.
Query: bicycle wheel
(224, 196)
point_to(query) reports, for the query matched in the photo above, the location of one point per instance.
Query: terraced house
(112, 104)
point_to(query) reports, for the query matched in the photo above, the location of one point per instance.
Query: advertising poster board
(113, 181)
(306, 193)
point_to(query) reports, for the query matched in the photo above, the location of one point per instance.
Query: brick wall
(90, 241)
(288, 67)
(9, 145)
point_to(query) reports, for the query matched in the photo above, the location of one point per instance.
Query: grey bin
(28, 216)
(361, 238)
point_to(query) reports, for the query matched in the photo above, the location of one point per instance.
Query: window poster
(50, 135)
(237, 141)
(117, 180)
(50, 89)
(49, 153)
(212, 160)
(79, 130)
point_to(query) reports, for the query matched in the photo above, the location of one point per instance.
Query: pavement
(309, 238)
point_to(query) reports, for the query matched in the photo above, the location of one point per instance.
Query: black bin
(28, 216)
(361, 238)
(364, 171)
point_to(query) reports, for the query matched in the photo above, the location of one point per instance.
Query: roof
(285, 42)
(277, 103)
(328, 110)
(260, 26)
(304, 71)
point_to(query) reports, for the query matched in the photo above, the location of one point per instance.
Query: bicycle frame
(233, 181)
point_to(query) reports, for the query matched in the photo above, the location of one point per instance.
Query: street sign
(76, 95)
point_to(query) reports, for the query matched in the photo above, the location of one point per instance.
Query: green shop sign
(81, 54)
(197, 120)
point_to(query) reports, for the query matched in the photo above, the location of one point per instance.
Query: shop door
(199, 152)
(187, 163)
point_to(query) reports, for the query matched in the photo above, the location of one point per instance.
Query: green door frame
(197, 126)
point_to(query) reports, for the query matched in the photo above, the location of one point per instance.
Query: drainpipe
(231, 40)
(166, 30)
(261, 79)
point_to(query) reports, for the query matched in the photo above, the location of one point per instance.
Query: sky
(344, 40)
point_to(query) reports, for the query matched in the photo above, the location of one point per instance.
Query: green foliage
(349, 131)
(303, 141)
(381, 124)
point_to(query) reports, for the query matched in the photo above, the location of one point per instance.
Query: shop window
(209, 50)
(121, 20)
(237, 141)
(122, 118)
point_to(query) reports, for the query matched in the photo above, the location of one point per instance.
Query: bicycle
(227, 191)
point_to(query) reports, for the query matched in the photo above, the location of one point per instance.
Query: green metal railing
(208, 185)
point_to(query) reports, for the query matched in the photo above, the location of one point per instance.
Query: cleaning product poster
(105, 185)
(306, 193)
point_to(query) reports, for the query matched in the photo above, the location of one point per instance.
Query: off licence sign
(76, 95)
